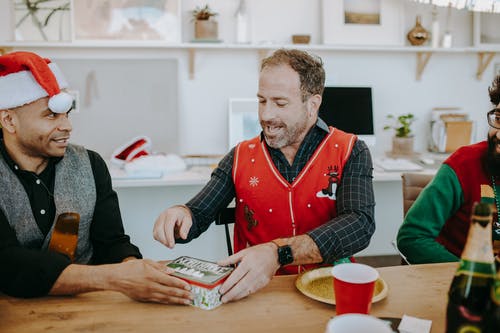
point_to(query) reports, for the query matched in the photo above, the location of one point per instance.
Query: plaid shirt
(343, 236)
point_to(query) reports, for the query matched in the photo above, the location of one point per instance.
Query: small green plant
(401, 125)
(203, 13)
(40, 12)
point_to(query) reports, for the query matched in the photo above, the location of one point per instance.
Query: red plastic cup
(353, 285)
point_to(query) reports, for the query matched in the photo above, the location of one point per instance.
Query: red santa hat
(134, 148)
(26, 77)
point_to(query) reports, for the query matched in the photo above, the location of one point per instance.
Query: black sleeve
(215, 195)
(26, 272)
(352, 229)
(111, 244)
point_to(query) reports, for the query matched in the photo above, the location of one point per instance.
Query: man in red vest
(436, 226)
(303, 190)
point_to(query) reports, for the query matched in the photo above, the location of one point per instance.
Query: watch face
(285, 255)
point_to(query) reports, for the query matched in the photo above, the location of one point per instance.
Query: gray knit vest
(74, 191)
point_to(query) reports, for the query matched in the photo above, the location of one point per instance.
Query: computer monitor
(349, 109)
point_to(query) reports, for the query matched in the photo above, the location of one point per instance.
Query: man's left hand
(256, 267)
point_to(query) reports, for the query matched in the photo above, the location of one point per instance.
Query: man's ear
(6, 120)
(313, 104)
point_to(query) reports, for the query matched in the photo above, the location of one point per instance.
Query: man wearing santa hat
(43, 177)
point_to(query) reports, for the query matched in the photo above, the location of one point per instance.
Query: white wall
(448, 80)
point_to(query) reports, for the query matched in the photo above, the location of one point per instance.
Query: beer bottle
(469, 297)
(494, 320)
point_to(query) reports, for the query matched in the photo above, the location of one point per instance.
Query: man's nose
(65, 123)
(266, 111)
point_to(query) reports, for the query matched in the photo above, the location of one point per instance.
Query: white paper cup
(357, 323)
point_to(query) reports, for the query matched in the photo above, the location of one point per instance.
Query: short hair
(308, 66)
(494, 91)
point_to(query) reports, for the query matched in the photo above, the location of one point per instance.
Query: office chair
(226, 217)
(413, 184)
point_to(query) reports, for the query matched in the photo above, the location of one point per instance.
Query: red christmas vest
(268, 207)
(476, 186)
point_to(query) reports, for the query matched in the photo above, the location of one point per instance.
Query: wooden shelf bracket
(4, 50)
(192, 59)
(483, 60)
(263, 53)
(422, 60)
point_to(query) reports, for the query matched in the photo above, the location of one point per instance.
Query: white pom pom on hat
(61, 103)
(26, 77)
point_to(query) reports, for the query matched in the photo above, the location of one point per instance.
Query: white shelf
(264, 46)
(485, 53)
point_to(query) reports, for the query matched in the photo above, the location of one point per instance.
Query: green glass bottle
(494, 317)
(469, 297)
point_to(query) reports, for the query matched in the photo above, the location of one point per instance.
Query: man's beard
(493, 157)
(290, 135)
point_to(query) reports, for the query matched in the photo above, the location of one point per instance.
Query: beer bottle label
(469, 329)
(479, 269)
(496, 292)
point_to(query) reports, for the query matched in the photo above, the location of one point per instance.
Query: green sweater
(439, 200)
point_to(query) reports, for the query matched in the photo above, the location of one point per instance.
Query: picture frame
(387, 32)
(127, 20)
(243, 121)
(42, 20)
(76, 100)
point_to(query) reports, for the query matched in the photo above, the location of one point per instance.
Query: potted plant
(205, 28)
(402, 141)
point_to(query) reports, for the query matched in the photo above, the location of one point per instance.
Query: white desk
(193, 176)
(200, 176)
(142, 200)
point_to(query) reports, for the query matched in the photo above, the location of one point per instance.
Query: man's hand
(174, 222)
(142, 280)
(149, 281)
(257, 265)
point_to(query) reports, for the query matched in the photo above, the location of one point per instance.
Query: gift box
(205, 278)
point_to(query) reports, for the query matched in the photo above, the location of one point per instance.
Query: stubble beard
(289, 137)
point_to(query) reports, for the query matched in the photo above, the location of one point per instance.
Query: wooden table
(419, 290)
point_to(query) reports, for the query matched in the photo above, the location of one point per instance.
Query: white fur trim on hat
(20, 88)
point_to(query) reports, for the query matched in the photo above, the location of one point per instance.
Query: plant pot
(402, 146)
(205, 29)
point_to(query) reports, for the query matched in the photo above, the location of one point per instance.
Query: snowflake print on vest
(254, 181)
(333, 179)
(251, 222)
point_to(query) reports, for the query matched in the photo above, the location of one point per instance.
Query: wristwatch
(285, 255)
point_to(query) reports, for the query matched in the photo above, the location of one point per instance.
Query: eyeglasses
(494, 118)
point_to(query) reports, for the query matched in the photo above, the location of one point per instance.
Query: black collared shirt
(26, 272)
(343, 236)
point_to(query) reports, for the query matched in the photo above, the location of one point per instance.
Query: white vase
(435, 29)
(242, 23)
(447, 40)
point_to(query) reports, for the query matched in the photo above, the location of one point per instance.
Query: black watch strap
(285, 255)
